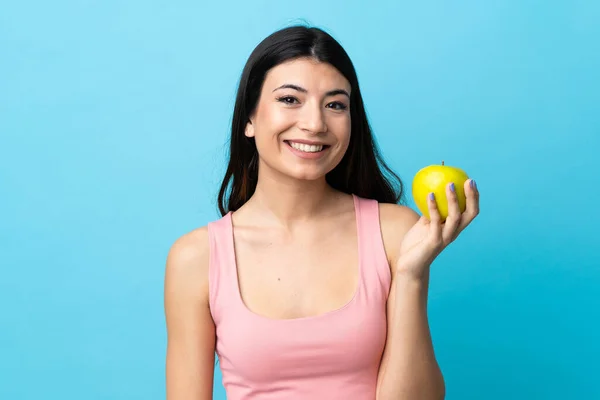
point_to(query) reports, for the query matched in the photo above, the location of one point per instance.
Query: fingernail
(431, 197)
(474, 184)
(452, 187)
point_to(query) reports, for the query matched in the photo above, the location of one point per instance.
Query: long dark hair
(362, 171)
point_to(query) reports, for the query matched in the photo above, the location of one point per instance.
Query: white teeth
(307, 148)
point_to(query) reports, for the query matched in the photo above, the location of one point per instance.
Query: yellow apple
(434, 179)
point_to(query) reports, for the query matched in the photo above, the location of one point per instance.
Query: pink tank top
(330, 356)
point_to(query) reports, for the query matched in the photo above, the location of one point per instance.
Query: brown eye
(287, 100)
(336, 105)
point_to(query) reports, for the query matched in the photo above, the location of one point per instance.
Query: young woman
(313, 283)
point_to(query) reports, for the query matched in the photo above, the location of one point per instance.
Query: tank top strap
(373, 258)
(222, 274)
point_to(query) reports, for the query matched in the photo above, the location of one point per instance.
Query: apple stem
(442, 162)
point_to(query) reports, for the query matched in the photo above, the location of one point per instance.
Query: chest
(312, 273)
(346, 345)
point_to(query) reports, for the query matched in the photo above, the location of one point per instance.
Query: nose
(313, 120)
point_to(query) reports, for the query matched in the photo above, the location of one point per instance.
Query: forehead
(311, 74)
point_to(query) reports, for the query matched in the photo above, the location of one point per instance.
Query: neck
(287, 201)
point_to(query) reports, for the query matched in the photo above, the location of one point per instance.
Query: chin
(302, 170)
(313, 173)
(308, 177)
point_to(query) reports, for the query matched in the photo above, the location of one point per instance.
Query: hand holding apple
(449, 201)
(434, 179)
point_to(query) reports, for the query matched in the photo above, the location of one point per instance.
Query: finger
(435, 224)
(472, 209)
(454, 215)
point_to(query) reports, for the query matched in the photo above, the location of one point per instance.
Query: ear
(249, 132)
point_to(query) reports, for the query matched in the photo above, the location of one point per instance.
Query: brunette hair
(362, 171)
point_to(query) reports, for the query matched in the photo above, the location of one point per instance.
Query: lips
(307, 150)
(306, 147)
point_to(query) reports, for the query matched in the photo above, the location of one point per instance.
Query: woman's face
(301, 124)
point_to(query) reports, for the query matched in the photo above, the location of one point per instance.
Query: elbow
(430, 389)
(436, 389)
(439, 391)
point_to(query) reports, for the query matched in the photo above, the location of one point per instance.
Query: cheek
(342, 127)
(270, 123)
(272, 120)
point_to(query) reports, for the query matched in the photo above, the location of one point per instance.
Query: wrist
(411, 293)
(413, 276)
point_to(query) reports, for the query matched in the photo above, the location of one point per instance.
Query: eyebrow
(333, 92)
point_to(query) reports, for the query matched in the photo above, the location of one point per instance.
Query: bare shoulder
(193, 246)
(395, 221)
(190, 327)
(187, 263)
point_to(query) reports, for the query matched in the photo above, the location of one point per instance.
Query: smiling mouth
(307, 148)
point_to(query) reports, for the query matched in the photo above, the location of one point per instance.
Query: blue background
(113, 123)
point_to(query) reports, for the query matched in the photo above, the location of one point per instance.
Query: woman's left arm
(409, 369)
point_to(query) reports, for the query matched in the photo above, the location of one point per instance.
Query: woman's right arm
(190, 357)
